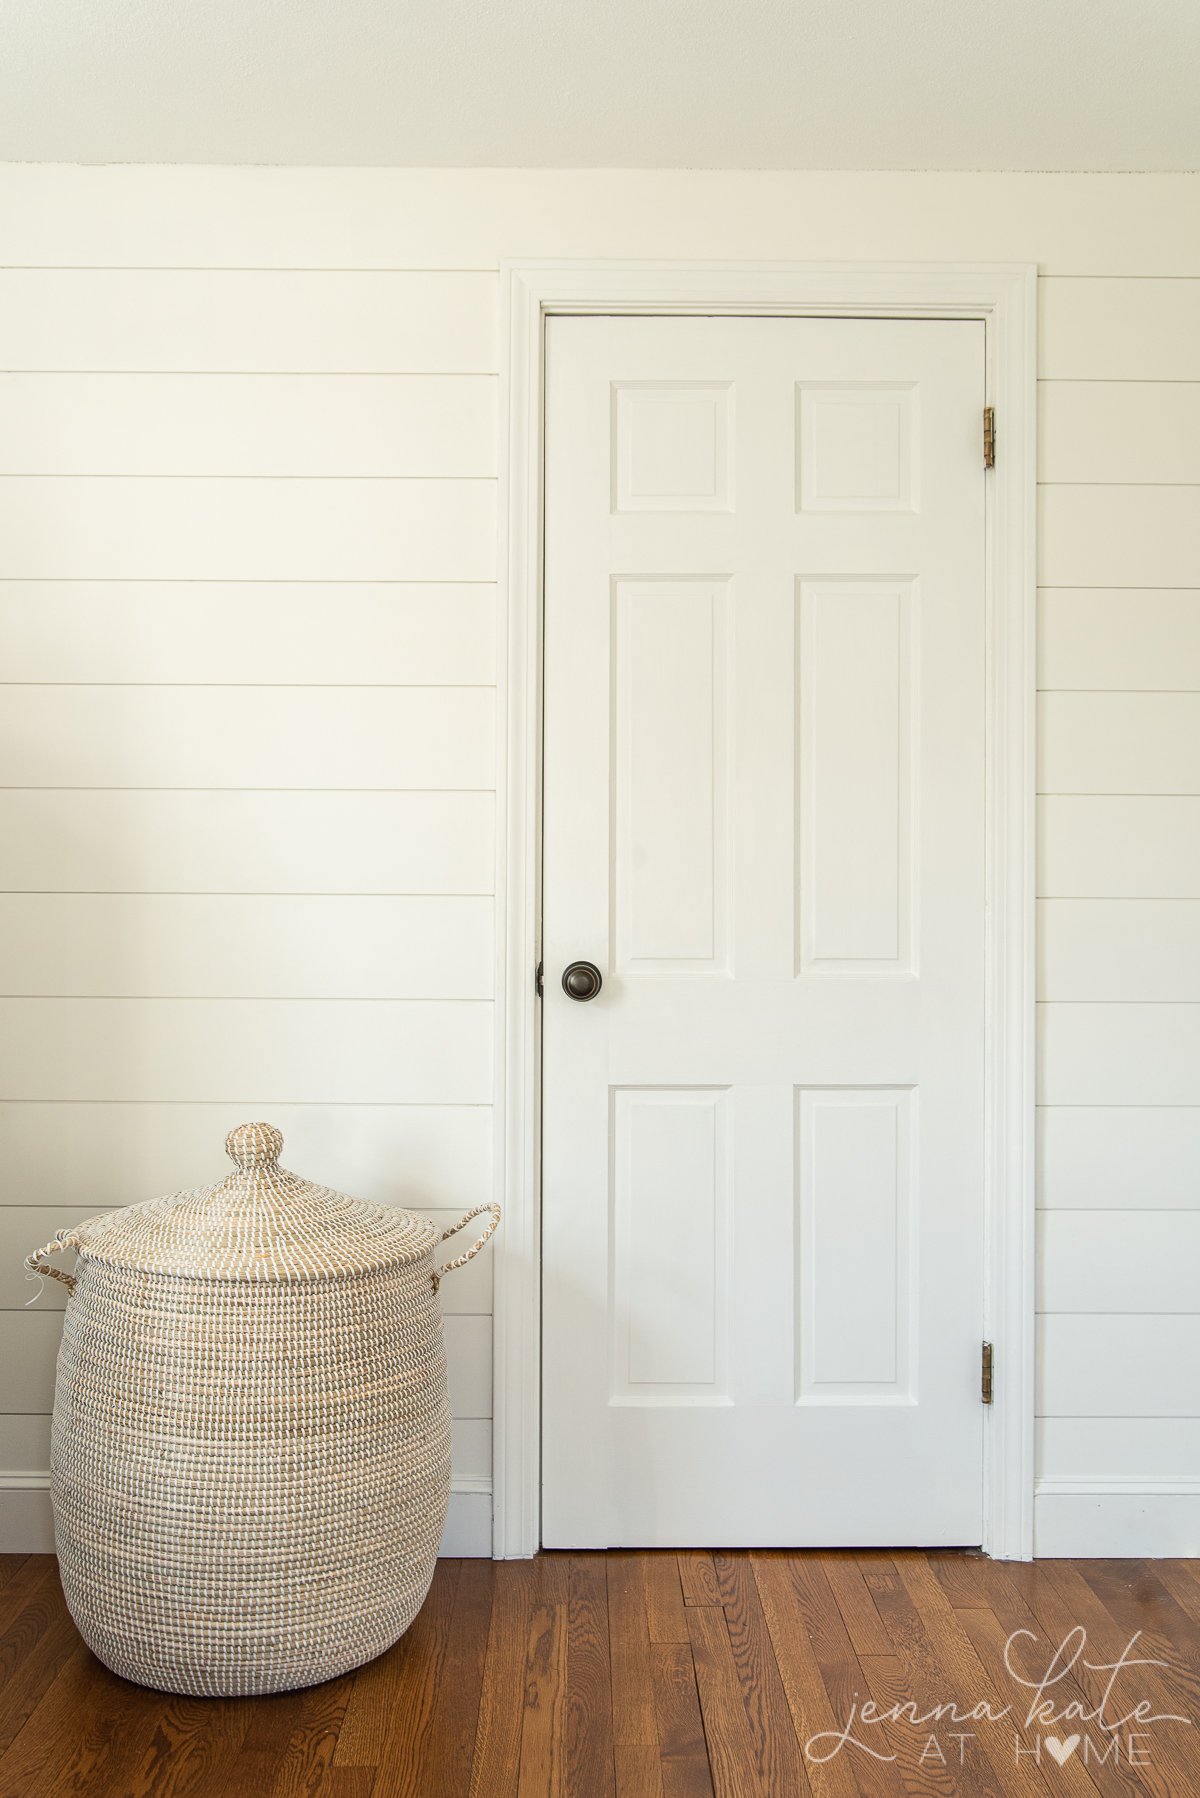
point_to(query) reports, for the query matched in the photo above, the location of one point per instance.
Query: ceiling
(819, 84)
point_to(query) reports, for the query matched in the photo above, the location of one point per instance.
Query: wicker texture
(250, 1453)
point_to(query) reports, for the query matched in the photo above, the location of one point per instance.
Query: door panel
(763, 786)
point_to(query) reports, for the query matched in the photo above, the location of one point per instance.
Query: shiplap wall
(248, 641)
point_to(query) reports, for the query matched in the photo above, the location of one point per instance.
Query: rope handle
(469, 1254)
(37, 1263)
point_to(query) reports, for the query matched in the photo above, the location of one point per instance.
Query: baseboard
(26, 1527)
(1085, 1518)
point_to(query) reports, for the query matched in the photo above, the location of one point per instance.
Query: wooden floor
(658, 1676)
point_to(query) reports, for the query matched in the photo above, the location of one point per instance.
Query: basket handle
(469, 1254)
(37, 1263)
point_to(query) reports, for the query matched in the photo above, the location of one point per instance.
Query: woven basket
(250, 1455)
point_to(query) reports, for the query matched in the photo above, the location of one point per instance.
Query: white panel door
(764, 740)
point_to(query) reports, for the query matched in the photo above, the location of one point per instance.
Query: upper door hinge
(539, 984)
(989, 436)
(985, 1374)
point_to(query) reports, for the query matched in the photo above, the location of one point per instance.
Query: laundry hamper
(250, 1456)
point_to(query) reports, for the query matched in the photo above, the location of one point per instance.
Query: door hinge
(985, 1374)
(989, 436)
(538, 982)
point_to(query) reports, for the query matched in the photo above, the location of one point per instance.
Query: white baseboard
(1116, 1518)
(26, 1526)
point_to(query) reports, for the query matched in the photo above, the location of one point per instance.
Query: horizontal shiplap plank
(1126, 1366)
(1119, 1260)
(293, 1051)
(1127, 1157)
(247, 842)
(470, 1448)
(1142, 949)
(1119, 330)
(75, 528)
(1119, 847)
(354, 218)
(1127, 1448)
(1119, 431)
(24, 1442)
(469, 1365)
(79, 1158)
(29, 1345)
(1121, 639)
(1119, 1054)
(28, 1348)
(162, 424)
(245, 946)
(24, 1228)
(248, 632)
(1116, 536)
(1119, 743)
(249, 320)
(298, 737)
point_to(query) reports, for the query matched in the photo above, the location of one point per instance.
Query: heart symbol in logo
(1062, 1751)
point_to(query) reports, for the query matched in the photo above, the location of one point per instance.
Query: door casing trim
(1004, 296)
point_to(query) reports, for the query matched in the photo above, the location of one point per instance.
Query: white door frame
(1005, 297)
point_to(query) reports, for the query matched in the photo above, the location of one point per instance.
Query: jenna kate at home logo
(1043, 1725)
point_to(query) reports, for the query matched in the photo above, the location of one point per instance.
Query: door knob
(582, 980)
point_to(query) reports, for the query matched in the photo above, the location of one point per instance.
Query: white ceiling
(845, 84)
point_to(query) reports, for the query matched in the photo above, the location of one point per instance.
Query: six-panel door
(764, 740)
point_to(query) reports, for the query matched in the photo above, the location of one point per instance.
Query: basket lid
(260, 1223)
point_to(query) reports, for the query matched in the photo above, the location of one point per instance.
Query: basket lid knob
(254, 1145)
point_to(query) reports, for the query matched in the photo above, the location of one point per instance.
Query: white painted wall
(247, 631)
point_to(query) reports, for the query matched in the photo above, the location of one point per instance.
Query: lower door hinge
(538, 982)
(985, 1374)
(989, 436)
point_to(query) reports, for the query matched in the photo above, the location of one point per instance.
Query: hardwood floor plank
(840, 1671)
(777, 1753)
(421, 1657)
(683, 1755)
(856, 1607)
(543, 1769)
(455, 1720)
(1137, 1597)
(990, 1639)
(1172, 1748)
(112, 1732)
(346, 1782)
(496, 1764)
(629, 1650)
(698, 1577)
(588, 1726)
(727, 1731)
(289, 1745)
(383, 1687)
(925, 1762)
(1056, 1625)
(664, 1597)
(809, 1701)
(941, 1657)
(23, 1583)
(37, 1643)
(48, 1730)
(9, 1565)
(1179, 1581)
(637, 1771)
(193, 1748)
